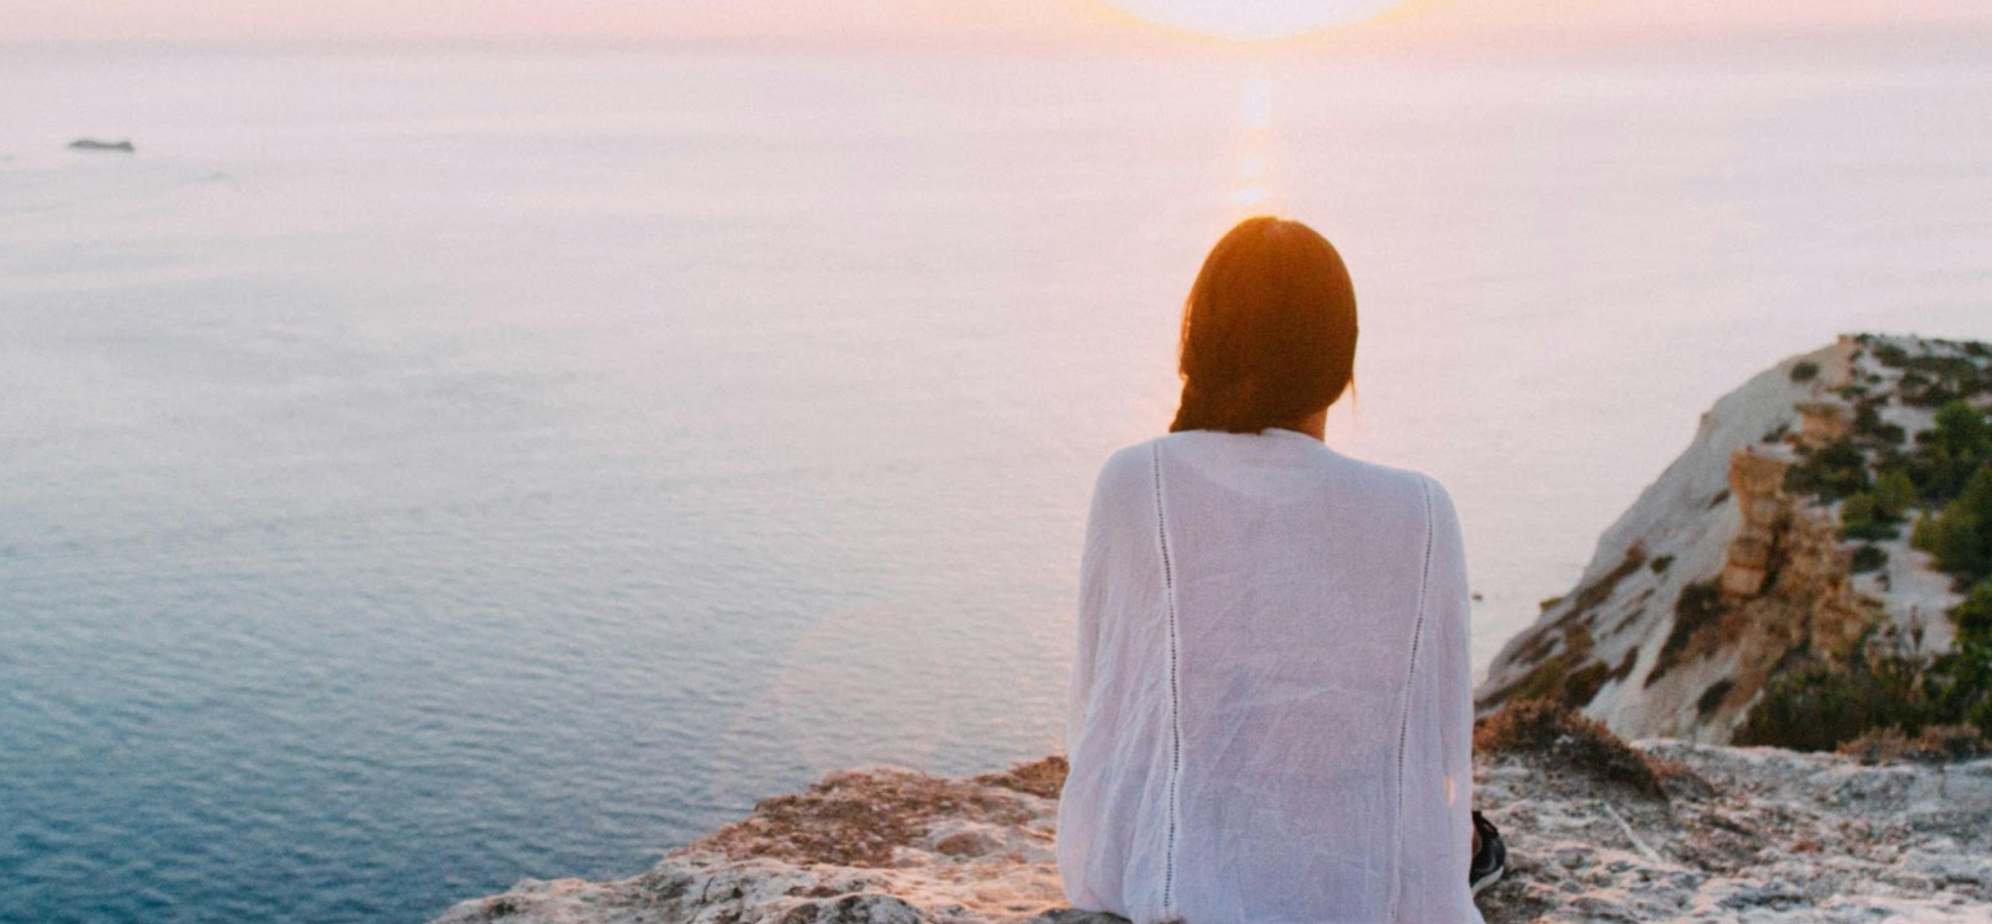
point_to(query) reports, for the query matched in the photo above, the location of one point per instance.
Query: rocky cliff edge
(1690, 833)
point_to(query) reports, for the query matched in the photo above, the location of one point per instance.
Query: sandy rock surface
(1751, 835)
(1772, 836)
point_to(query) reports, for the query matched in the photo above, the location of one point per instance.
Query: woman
(1270, 710)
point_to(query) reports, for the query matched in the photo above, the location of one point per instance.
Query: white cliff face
(1748, 835)
(1763, 572)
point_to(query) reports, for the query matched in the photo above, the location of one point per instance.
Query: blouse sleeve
(1087, 617)
(1438, 783)
(1090, 865)
(1115, 495)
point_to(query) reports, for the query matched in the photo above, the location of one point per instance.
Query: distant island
(92, 144)
(1813, 573)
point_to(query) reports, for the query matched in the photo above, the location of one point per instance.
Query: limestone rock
(1763, 836)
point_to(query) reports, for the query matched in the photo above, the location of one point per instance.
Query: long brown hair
(1269, 330)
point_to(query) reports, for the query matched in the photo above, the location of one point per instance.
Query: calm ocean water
(421, 470)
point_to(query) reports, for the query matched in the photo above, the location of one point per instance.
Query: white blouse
(1271, 711)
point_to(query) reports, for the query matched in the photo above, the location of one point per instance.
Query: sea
(428, 467)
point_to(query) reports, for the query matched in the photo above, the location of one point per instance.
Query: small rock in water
(92, 144)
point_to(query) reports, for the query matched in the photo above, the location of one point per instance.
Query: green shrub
(1894, 494)
(1805, 372)
(1948, 454)
(1869, 558)
(1833, 471)
(1962, 429)
(1924, 534)
(1960, 535)
(1961, 682)
(1878, 687)
(1861, 518)
(1821, 707)
(1933, 381)
(1973, 617)
(1871, 430)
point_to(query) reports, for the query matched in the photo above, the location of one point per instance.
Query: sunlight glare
(1251, 196)
(1254, 19)
(1252, 185)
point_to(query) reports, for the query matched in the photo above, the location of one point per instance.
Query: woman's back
(1270, 713)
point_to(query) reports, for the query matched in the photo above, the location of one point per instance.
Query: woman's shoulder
(1282, 469)
(1211, 452)
(1407, 479)
(1133, 456)
(1419, 491)
(1422, 490)
(1127, 467)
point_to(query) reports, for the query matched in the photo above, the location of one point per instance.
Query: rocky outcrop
(1719, 578)
(1754, 835)
(881, 845)
(1756, 483)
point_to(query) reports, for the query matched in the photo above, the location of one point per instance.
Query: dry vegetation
(857, 818)
(1935, 745)
(1561, 739)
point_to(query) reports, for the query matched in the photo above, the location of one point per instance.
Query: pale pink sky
(923, 21)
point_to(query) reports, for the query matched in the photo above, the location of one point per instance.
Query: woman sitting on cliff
(1271, 712)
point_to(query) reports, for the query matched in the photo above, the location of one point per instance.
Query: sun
(1252, 20)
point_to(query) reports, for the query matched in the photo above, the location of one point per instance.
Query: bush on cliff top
(1833, 471)
(1565, 739)
(1937, 744)
(1946, 455)
(1822, 707)
(1881, 687)
(1960, 535)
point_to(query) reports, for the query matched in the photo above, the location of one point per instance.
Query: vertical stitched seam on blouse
(1410, 676)
(1175, 689)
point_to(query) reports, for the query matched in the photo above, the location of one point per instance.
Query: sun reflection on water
(1253, 173)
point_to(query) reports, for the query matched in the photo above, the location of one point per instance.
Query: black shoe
(1491, 860)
